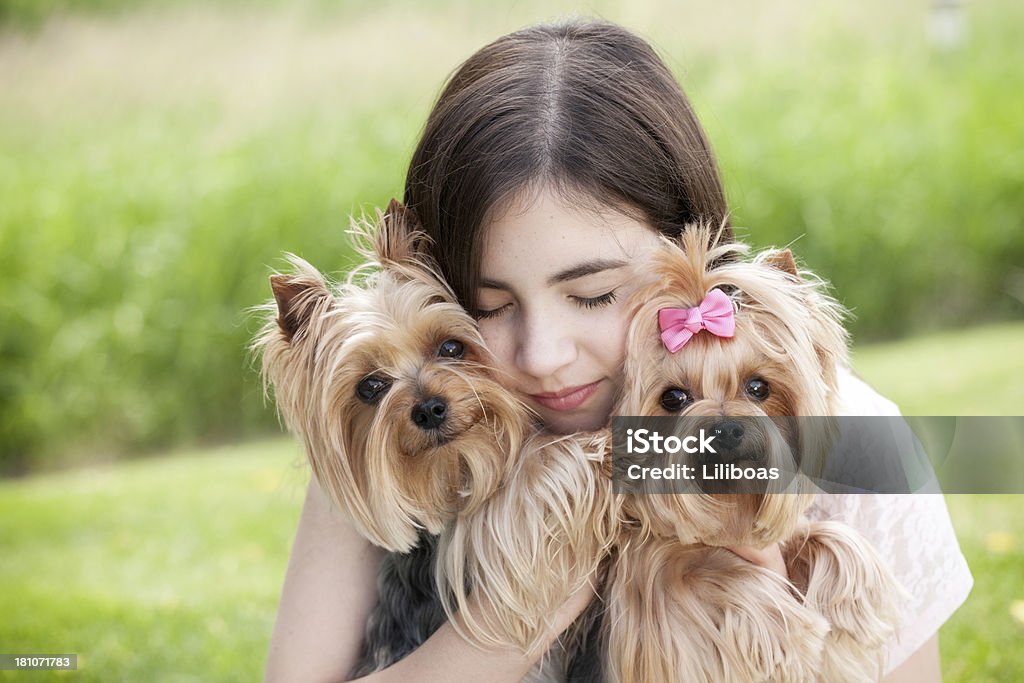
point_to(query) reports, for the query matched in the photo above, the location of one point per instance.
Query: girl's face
(555, 280)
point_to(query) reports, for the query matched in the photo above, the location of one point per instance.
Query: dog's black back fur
(408, 612)
(585, 652)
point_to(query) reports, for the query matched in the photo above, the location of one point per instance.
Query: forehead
(537, 234)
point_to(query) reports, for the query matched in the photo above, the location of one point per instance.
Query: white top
(912, 531)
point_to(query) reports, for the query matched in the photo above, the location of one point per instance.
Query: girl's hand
(563, 618)
(769, 557)
(573, 608)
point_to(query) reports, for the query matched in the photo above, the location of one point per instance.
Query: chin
(590, 419)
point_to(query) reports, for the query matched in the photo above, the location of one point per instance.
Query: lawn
(158, 158)
(965, 372)
(970, 372)
(168, 568)
(164, 569)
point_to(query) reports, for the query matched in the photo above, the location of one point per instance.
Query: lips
(567, 399)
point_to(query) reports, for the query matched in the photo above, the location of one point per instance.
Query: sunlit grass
(146, 192)
(966, 372)
(169, 568)
(981, 643)
(160, 569)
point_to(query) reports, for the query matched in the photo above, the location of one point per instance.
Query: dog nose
(728, 434)
(430, 414)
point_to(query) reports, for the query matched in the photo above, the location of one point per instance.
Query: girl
(552, 161)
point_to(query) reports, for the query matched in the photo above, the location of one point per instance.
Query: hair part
(584, 107)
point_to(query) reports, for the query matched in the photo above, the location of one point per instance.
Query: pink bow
(715, 314)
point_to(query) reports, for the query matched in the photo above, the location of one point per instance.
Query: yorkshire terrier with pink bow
(409, 430)
(740, 347)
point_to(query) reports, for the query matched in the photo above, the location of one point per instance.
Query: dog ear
(783, 260)
(399, 239)
(297, 296)
(825, 326)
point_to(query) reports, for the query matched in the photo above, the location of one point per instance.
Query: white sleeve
(912, 531)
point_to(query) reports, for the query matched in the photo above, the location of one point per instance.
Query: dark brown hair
(585, 106)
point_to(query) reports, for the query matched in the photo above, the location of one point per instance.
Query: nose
(430, 414)
(728, 434)
(545, 346)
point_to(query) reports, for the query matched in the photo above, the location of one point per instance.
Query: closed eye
(595, 301)
(493, 313)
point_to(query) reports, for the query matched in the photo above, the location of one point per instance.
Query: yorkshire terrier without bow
(408, 429)
(740, 347)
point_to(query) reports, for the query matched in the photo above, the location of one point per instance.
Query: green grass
(169, 568)
(981, 643)
(967, 372)
(146, 189)
(164, 569)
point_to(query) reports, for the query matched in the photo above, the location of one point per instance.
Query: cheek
(605, 336)
(500, 341)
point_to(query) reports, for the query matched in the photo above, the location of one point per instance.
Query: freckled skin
(552, 336)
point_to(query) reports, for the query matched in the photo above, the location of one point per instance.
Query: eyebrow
(573, 273)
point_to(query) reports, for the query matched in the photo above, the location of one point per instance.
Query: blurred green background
(157, 158)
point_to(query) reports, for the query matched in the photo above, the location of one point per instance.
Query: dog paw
(770, 636)
(844, 579)
(693, 613)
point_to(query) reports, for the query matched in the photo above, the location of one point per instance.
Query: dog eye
(675, 399)
(452, 348)
(372, 389)
(758, 389)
